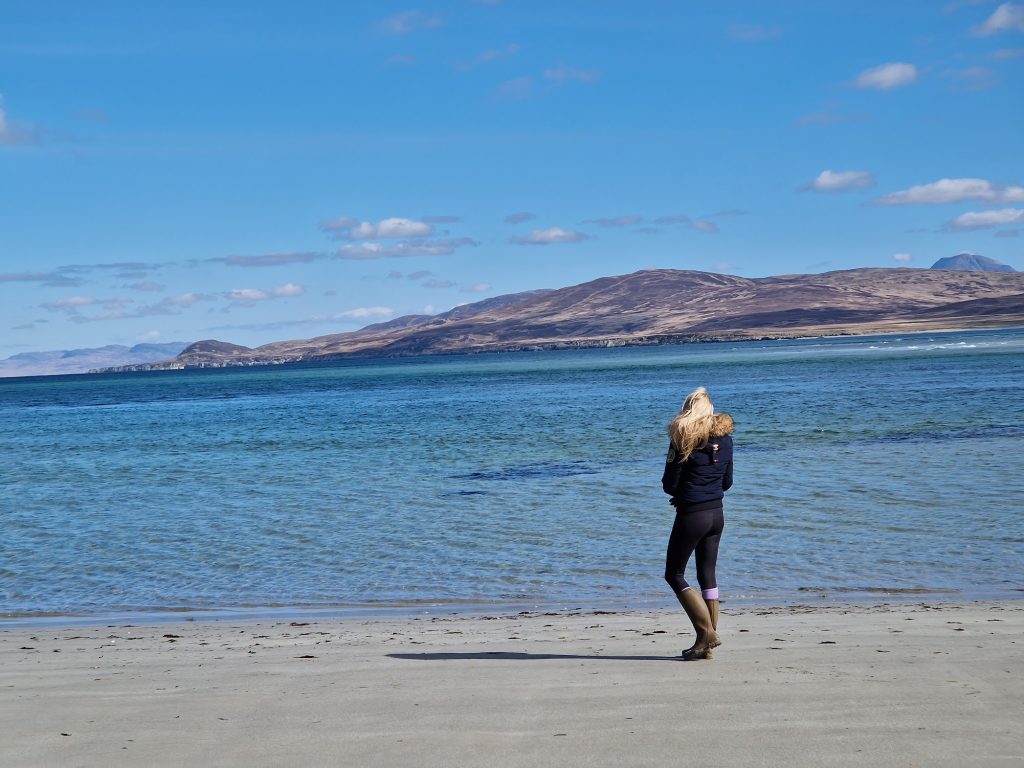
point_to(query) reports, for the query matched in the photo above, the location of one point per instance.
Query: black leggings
(692, 532)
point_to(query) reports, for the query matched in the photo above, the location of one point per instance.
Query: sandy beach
(884, 684)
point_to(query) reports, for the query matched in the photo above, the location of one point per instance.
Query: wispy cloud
(563, 74)
(435, 283)
(115, 308)
(364, 313)
(350, 316)
(145, 285)
(489, 56)
(514, 89)
(51, 279)
(410, 21)
(364, 251)
(475, 288)
(519, 218)
(954, 191)
(1006, 54)
(618, 221)
(250, 295)
(987, 219)
(700, 225)
(903, 258)
(268, 259)
(973, 78)
(12, 133)
(840, 181)
(549, 236)
(1008, 17)
(753, 33)
(347, 228)
(887, 76)
(832, 114)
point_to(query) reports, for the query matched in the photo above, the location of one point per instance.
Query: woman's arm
(673, 470)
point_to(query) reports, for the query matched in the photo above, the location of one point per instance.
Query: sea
(867, 468)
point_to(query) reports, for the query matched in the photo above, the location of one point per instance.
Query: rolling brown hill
(664, 306)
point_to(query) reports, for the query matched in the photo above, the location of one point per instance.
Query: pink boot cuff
(710, 594)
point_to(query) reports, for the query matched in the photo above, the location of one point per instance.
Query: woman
(698, 472)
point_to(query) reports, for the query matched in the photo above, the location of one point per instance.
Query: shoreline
(617, 343)
(921, 683)
(805, 597)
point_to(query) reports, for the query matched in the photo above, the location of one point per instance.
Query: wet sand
(901, 684)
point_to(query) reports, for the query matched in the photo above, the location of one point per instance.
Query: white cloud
(148, 336)
(986, 219)
(345, 228)
(902, 257)
(752, 33)
(363, 251)
(288, 289)
(429, 309)
(1007, 17)
(410, 21)
(838, 181)
(363, 313)
(955, 191)
(548, 236)
(477, 288)
(246, 294)
(562, 74)
(887, 76)
(186, 299)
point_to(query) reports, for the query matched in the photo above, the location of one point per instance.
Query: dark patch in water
(530, 471)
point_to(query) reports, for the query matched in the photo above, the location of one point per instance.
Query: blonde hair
(693, 426)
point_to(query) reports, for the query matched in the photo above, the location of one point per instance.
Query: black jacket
(703, 478)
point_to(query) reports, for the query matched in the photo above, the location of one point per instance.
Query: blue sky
(267, 170)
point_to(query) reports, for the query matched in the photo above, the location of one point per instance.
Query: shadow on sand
(511, 656)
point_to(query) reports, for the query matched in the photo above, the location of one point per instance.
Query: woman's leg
(687, 531)
(706, 552)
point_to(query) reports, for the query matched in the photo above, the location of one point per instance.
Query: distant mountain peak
(972, 262)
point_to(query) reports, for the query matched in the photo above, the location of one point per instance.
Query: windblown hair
(723, 425)
(693, 426)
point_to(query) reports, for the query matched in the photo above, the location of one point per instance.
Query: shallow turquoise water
(883, 463)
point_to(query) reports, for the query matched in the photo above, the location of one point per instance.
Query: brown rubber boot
(713, 611)
(697, 611)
